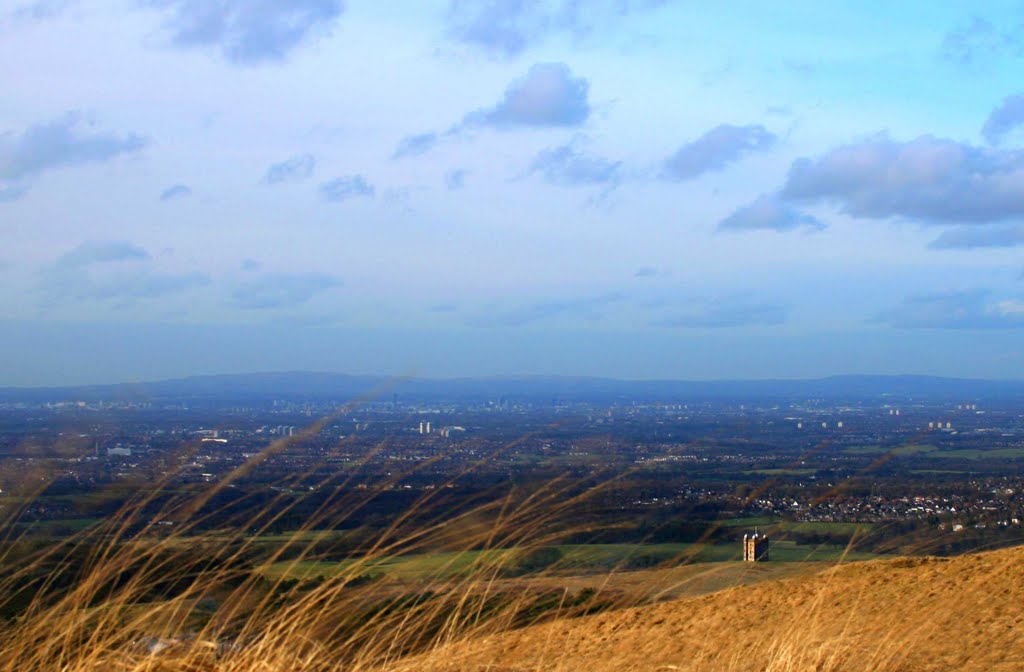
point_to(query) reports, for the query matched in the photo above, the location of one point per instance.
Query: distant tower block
(755, 547)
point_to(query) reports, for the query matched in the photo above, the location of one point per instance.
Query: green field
(771, 524)
(825, 526)
(576, 559)
(752, 521)
(908, 449)
(975, 454)
(934, 452)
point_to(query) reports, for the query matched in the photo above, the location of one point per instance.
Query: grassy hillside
(901, 615)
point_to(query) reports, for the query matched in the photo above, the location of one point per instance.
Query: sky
(642, 189)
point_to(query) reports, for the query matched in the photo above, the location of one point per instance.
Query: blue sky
(631, 188)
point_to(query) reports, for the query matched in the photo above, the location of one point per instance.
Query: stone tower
(755, 547)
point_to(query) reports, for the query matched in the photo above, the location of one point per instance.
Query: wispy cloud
(971, 237)
(455, 179)
(142, 284)
(282, 290)
(345, 188)
(247, 32)
(549, 95)
(99, 252)
(111, 270)
(175, 192)
(980, 39)
(970, 309)
(587, 308)
(650, 272)
(1004, 119)
(37, 10)
(415, 145)
(291, 170)
(724, 313)
(13, 192)
(768, 213)
(568, 165)
(506, 28)
(716, 149)
(67, 141)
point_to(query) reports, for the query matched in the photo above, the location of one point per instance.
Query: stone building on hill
(755, 547)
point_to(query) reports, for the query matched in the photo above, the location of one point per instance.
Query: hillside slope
(905, 615)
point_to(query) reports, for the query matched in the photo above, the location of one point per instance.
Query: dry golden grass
(126, 597)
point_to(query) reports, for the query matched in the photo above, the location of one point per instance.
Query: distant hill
(904, 615)
(543, 389)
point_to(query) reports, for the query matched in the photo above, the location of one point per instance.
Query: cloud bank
(927, 179)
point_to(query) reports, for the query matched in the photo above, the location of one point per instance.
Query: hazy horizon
(648, 189)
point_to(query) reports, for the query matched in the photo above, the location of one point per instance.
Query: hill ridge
(312, 384)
